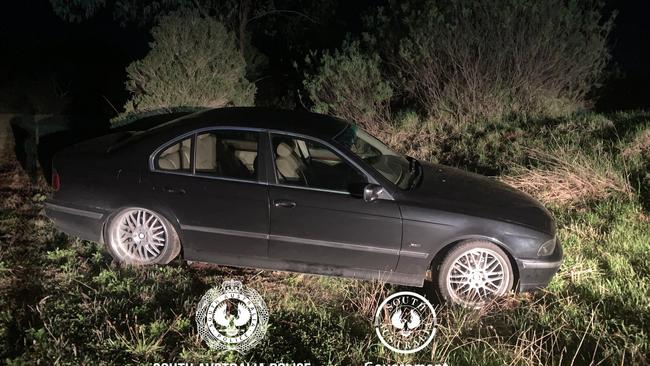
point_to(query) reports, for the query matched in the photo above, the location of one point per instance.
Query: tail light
(56, 180)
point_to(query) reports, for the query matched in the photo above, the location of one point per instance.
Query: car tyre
(138, 236)
(473, 273)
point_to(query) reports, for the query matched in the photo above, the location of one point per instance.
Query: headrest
(172, 149)
(284, 150)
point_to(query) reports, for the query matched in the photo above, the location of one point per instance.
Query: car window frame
(275, 182)
(262, 174)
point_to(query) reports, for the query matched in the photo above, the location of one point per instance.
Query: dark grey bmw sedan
(301, 192)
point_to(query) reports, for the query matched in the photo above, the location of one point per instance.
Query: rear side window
(227, 154)
(176, 157)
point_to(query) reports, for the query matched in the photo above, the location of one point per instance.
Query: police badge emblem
(232, 317)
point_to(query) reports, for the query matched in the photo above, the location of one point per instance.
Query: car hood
(454, 190)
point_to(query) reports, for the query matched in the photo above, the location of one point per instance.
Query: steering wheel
(386, 164)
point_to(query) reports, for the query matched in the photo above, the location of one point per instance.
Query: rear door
(212, 182)
(314, 217)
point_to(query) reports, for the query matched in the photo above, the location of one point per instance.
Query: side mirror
(371, 192)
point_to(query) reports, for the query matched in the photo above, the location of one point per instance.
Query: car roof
(298, 122)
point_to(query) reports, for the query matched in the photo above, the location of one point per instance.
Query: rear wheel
(140, 237)
(473, 273)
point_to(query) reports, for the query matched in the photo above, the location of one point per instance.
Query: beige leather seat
(176, 157)
(206, 152)
(287, 163)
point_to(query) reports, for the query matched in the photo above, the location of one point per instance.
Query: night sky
(88, 59)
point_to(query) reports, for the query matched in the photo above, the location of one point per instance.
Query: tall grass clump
(568, 179)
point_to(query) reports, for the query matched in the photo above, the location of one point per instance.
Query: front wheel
(139, 236)
(473, 273)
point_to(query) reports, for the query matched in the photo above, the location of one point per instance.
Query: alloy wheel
(477, 276)
(139, 236)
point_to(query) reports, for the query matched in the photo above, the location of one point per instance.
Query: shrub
(411, 136)
(193, 62)
(349, 84)
(473, 59)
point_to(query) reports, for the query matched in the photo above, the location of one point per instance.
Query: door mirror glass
(371, 192)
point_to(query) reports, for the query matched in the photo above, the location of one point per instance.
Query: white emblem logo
(405, 322)
(232, 317)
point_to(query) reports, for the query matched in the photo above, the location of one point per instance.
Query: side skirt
(300, 267)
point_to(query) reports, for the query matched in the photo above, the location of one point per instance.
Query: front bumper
(537, 273)
(83, 222)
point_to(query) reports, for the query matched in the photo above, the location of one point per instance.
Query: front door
(315, 219)
(211, 183)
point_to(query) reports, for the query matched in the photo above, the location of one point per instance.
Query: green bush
(193, 62)
(477, 59)
(349, 84)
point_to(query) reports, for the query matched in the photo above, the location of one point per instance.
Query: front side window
(306, 163)
(176, 157)
(393, 166)
(227, 154)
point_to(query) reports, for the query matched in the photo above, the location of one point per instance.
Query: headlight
(547, 248)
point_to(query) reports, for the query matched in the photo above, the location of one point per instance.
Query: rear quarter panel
(97, 179)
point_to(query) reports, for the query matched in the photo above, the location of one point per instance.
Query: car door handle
(174, 190)
(284, 203)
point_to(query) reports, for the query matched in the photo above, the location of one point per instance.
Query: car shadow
(427, 291)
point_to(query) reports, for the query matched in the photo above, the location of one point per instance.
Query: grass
(62, 301)
(569, 178)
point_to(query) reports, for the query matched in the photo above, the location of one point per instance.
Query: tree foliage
(193, 61)
(270, 34)
(243, 17)
(348, 83)
(77, 10)
(461, 60)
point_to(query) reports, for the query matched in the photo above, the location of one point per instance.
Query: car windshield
(395, 167)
